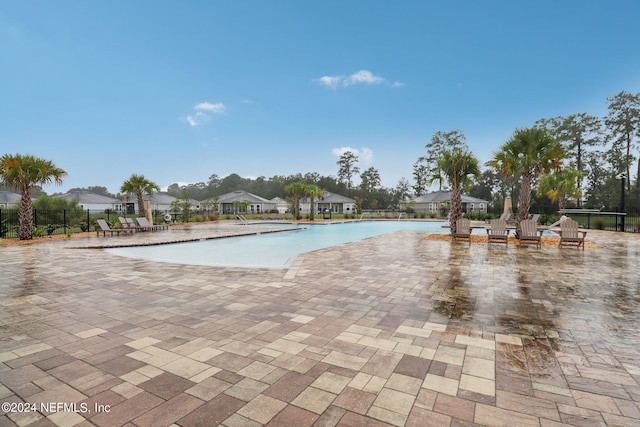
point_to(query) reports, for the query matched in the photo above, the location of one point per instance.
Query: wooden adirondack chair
(570, 235)
(498, 232)
(529, 233)
(463, 230)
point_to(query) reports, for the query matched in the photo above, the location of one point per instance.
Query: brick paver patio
(394, 330)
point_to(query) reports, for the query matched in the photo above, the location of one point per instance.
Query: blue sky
(178, 91)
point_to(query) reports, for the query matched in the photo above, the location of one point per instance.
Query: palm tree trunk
(562, 200)
(524, 201)
(26, 216)
(311, 209)
(456, 206)
(142, 212)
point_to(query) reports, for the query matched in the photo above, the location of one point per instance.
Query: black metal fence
(66, 221)
(628, 221)
(48, 222)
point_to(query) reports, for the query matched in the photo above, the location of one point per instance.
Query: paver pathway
(393, 330)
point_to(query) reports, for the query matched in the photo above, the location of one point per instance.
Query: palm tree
(297, 190)
(560, 185)
(530, 152)
(23, 172)
(314, 192)
(456, 166)
(138, 185)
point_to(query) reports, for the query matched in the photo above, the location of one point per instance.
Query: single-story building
(91, 201)
(243, 202)
(280, 204)
(9, 199)
(160, 202)
(331, 202)
(431, 203)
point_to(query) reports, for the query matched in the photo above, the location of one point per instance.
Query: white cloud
(217, 108)
(365, 155)
(362, 77)
(330, 81)
(203, 110)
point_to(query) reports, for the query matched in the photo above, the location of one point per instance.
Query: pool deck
(393, 330)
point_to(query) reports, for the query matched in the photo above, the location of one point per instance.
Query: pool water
(269, 250)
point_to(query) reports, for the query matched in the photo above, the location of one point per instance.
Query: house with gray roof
(243, 202)
(280, 204)
(9, 199)
(331, 202)
(160, 202)
(431, 203)
(90, 201)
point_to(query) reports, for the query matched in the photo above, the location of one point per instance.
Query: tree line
(576, 160)
(598, 154)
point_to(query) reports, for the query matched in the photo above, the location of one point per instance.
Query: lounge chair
(535, 218)
(132, 224)
(128, 224)
(558, 222)
(104, 229)
(143, 223)
(570, 235)
(498, 232)
(529, 232)
(463, 230)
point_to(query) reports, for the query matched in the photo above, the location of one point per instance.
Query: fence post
(88, 219)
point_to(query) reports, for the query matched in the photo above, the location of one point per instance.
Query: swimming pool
(269, 250)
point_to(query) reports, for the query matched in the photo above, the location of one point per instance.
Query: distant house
(160, 202)
(431, 203)
(91, 201)
(9, 199)
(280, 204)
(331, 202)
(243, 202)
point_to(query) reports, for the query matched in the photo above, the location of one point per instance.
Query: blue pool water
(270, 250)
